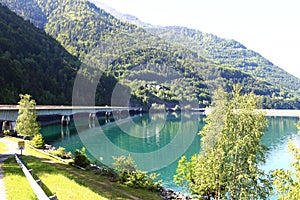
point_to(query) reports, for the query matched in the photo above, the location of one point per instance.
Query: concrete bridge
(10, 112)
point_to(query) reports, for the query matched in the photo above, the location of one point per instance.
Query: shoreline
(271, 112)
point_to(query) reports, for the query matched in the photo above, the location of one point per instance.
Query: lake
(157, 141)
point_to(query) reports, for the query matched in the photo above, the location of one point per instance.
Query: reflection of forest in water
(161, 129)
(279, 130)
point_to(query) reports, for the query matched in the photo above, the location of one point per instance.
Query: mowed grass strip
(16, 184)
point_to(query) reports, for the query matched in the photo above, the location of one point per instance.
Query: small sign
(21, 145)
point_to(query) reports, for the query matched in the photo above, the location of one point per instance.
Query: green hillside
(229, 52)
(33, 62)
(222, 51)
(141, 60)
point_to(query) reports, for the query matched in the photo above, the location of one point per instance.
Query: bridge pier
(107, 117)
(65, 120)
(92, 118)
(8, 126)
(63, 133)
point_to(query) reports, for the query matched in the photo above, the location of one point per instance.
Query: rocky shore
(168, 194)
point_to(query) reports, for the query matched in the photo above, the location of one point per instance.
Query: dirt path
(10, 152)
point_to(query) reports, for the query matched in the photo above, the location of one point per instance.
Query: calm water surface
(157, 141)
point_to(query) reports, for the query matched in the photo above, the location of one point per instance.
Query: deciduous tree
(228, 165)
(26, 123)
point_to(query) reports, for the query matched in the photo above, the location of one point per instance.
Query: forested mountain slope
(229, 52)
(132, 55)
(33, 62)
(220, 50)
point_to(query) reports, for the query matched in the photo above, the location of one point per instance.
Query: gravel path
(12, 149)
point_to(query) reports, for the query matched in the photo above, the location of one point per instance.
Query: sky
(269, 27)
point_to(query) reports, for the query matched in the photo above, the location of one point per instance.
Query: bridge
(10, 112)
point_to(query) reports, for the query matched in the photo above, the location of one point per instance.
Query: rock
(169, 194)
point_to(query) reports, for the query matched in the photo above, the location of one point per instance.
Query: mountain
(222, 51)
(155, 68)
(33, 62)
(229, 52)
(125, 17)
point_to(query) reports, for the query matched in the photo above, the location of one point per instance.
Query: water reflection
(65, 132)
(280, 130)
(178, 127)
(160, 141)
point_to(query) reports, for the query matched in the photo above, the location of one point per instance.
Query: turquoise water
(157, 141)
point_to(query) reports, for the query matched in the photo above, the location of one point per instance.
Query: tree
(26, 123)
(243, 151)
(185, 173)
(228, 165)
(287, 182)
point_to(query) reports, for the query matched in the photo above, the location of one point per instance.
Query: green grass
(15, 181)
(66, 181)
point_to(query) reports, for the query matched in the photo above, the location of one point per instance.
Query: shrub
(129, 175)
(81, 159)
(6, 132)
(61, 152)
(38, 141)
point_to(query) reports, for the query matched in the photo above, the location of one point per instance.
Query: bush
(129, 175)
(81, 159)
(61, 152)
(6, 132)
(38, 141)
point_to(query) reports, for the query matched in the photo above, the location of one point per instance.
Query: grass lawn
(66, 181)
(15, 181)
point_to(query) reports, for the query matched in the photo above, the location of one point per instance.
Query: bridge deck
(10, 112)
(55, 107)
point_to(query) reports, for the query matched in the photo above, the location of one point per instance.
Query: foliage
(228, 166)
(81, 159)
(129, 175)
(61, 152)
(287, 182)
(33, 62)
(38, 141)
(26, 123)
(6, 132)
(185, 173)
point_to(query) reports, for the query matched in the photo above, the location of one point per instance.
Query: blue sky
(269, 27)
